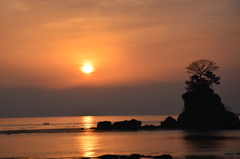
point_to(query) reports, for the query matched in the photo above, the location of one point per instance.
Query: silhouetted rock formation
(165, 156)
(149, 127)
(135, 156)
(169, 122)
(131, 124)
(204, 109)
(108, 156)
(104, 125)
(120, 125)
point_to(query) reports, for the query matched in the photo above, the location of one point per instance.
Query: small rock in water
(104, 125)
(169, 122)
(131, 124)
(108, 156)
(165, 156)
(135, 156)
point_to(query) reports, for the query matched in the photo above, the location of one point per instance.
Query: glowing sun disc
(87, 68)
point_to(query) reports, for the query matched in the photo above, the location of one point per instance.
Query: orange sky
(139, 50)
(44, 43)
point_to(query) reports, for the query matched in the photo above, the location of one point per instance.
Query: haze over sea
(92, 143)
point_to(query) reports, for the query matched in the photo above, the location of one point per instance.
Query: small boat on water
(45, 123)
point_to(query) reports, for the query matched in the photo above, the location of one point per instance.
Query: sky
(139, 51)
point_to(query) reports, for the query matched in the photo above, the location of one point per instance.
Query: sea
(30, 140)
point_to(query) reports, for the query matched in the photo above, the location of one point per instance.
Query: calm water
(92, 143)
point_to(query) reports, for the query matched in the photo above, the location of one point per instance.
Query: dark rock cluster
(169, 122)
(120, 125)
(134, 156)
(104, 125)
(131, 124)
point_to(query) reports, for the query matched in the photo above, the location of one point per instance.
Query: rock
(149, 127)
(135, 156)
(204, 109)
(165, 156)
(131, 124)
(120, 125)
(108, 156)
(169, 122)
(104, 125)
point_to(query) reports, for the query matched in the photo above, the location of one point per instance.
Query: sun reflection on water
(87, 121)
(88, 144)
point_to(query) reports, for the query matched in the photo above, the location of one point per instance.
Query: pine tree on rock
(202, 71)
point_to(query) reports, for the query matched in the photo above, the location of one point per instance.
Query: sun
(87, 68)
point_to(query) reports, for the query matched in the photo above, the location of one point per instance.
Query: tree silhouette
(202, 71)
